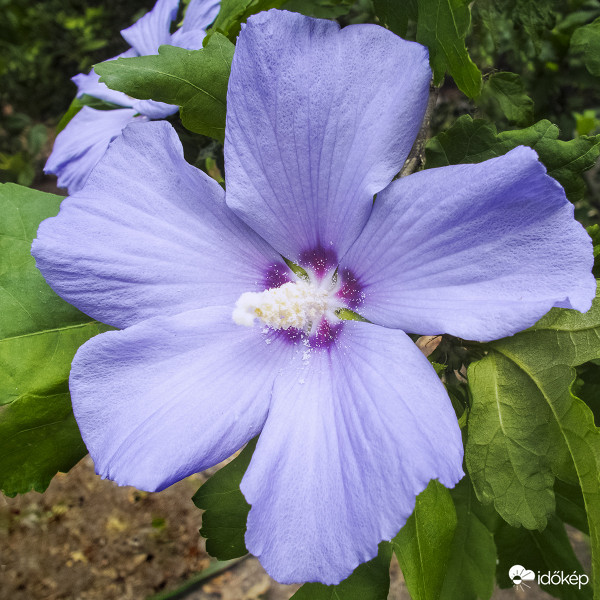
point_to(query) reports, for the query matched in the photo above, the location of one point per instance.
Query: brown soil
(89, 539)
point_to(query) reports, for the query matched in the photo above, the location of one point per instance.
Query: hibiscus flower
(83, 142)
(222, 341)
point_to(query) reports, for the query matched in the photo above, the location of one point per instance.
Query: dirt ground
(88, 539)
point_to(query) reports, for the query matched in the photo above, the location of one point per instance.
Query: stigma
(301, 304)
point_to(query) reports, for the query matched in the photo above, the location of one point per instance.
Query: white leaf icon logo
(519, 574)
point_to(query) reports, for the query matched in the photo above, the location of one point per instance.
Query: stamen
(300, 304)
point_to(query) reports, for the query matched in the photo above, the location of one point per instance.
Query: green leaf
(36, 138)
(424, 544)
(507, 92)
(442, 26)
(395, 15)
(78, 103)
(594, 233)
(235, 12)
(473, 141)
(588, 387)
(586, 41)
(195, 80)
(471, 570)
(532, 18)
(586, 122)
(510, 430)
(540, 552)
(226, 509)
(526, 426)
(39, 437)
(75, 106)
(39, 334)
(369, 581)
(570, 506)
(320, 9)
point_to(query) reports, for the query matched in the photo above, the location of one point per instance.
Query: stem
(197, 580)
(416, 157)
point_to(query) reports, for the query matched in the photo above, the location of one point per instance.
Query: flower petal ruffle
(353, 435)
(152, 30)
(318, 120)
(149, 235)
(172, 396)
(83, 142)
(90, 84)
(480, 251)
(199, 14)
(154, 109)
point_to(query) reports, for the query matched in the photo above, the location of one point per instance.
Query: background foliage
(42, 45)
(506, 73)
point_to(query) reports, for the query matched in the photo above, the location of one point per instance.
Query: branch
(417, 154)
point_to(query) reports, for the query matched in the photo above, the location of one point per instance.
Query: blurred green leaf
(507, 92)
(471, 570)
(36, 138)
(17, 167)
(526, 426)
(369, 581)
(473, 141)
(16, 122)
(195, 80)
(226, 509)
(586, 41)
(586, 122)
(533, 18)
(540, 552)
(39, 334)
(26, 172)
(424, 544)
(442, 26)
(44, 43)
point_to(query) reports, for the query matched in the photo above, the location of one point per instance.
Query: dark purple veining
(276, 275)
(326, 335)
(351, 291)
(320, 260)
(291, 335)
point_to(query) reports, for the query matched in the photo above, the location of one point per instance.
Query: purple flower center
(320, 261)
(302, 308)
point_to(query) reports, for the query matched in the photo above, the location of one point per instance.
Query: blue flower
(353, 420)
(86, 137)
